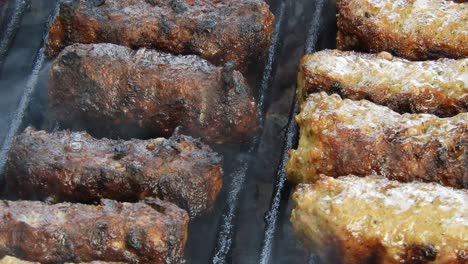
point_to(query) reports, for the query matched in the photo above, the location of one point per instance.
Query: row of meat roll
(170, 71)
(403, 119)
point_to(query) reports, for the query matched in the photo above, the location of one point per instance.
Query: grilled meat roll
(13, 260)
(413, 29)
(219, 31)
(340, 137)
(151, 232)
(374, 220)
(73, 166)
(437, 87)
(107, 87)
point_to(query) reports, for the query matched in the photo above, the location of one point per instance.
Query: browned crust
(423, 99)
(356, 31)
(345, 249)
(220, 31)
(152, 232)
(398, 149)
(66, 166)
(113, 90)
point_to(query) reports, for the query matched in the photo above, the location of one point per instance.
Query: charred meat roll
(13, 260)
(219, 31)
(75, 167)
(436, 87)
(106, 87)
(340, 137)
(374, 220)
(412, 29)
(151, 232)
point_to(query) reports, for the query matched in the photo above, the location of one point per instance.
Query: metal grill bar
(20, 111)
(225, 234)
(290, 142)
(12, 27)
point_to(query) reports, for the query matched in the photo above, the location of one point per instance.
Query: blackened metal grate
(250, 223)
(11, 24)
(290, 142)
(18, 116)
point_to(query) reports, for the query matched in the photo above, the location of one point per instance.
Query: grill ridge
(12, 27)
(19, 114)
(290, 141)
(225, 233)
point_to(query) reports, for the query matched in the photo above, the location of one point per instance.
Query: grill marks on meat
(151, 232)
(111, 88)
(438, 87)
(73, 166)
(220, 31)
(374, 220)
(413, 29)
(340, 137)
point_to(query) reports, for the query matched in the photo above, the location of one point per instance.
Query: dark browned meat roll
(151, 232)
(73, 166)
(113, 88)
(340, 137)
(219, 31)
(13, 260)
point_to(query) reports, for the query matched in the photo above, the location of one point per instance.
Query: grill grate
(227, 226)
(290, 142)
(19, 114)
(221, 237)
(10, 29)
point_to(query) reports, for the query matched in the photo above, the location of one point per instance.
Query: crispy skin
(110, 87)
(73, 166)
(358, 220)
(340, 137)
(437, 87)
(219, 31)
(151, 232)
(412, 29)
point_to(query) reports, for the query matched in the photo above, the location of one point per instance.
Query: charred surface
(219, 31)
(108, 88)
(73, 166)
(68, 232)
(340, 137)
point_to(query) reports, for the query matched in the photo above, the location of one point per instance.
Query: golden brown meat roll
(340, 137)
(412, 29)
(437, 87)
(357, 220)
